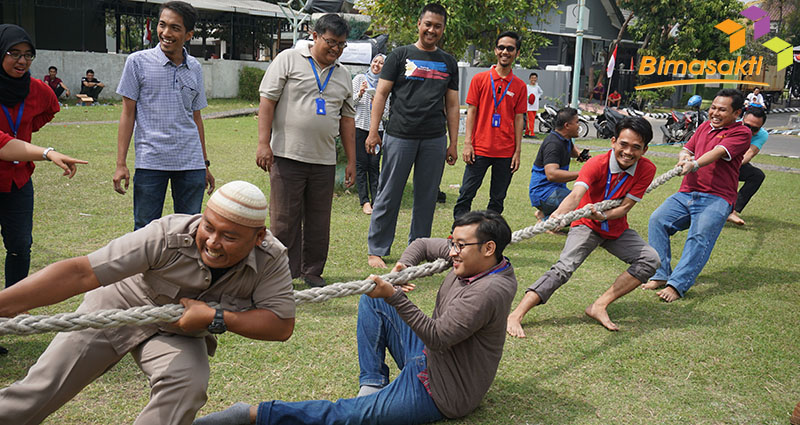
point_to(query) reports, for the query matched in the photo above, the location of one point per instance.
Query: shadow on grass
(537, 405)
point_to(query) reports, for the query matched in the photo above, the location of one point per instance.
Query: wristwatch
(208, 163)
(217, 325)
(47, 151)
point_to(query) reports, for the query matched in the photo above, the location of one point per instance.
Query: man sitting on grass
(622, 173)
(447, 361)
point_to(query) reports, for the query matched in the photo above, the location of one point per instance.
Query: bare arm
(685, 159)
(753, 151)
(266, 113)
(198, 120)
(375, 114)
(451, 107)
(18, 150)
(258, 324)
(519, 127)
(124, 133)
(50, 285)
(469, 153)
(347, 131)
(557, 175)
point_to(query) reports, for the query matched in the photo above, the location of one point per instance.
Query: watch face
(217, 325)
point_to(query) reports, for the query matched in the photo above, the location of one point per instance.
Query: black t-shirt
(555, 149)
(421, 80)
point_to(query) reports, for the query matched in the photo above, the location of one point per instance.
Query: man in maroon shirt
(54, 82)
(621, 173)
(710, 163)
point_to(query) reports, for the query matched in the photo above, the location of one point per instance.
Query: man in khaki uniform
(225, 255)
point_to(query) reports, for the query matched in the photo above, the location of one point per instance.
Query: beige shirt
(298, 133)
(159, 264)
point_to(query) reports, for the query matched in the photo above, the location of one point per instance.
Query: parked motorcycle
(680, 127)
(547, 121)
(606, 123)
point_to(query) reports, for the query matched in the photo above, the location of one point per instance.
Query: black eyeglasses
(16, 55)
(459, 246)
(510, 49)
(334, 43)
(753, 129)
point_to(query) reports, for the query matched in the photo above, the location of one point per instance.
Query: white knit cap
(240, 202)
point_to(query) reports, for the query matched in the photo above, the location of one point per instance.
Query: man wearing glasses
(447, 361)
(306, 101)
(752, 176)
(495, 121)
(162, 95)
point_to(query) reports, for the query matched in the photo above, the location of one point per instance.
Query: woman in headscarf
(367, 170)
(27, 104)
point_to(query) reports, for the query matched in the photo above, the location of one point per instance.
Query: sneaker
(441, 198)
(314, 281)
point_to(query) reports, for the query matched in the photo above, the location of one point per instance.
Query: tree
(788, 16)
(472, 26)
(682, 29)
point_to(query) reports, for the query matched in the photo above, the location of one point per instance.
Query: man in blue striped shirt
(162, 95)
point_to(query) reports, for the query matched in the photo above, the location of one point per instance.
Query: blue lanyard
(14, 126)
(494, 95)
(508, 263)
(320, 86)
(606, 195)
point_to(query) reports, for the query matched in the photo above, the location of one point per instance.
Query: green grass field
(728, 353)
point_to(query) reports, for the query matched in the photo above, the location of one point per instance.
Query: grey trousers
(427, 157)
(177, 367)
(581, 241)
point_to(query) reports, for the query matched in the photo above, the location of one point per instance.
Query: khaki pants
(177, 367)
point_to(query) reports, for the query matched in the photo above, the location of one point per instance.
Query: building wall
(221, 76)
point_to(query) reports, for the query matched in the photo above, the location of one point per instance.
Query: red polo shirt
(594, 175)
(40, 107)
(720, 178)
(496, 142)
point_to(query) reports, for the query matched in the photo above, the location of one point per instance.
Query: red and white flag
(147, 37)
(611, 63)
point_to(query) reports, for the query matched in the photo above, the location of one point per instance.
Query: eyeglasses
(510, 49)
(334, 43)
(16, 55)
(753, 129)
(459, 246)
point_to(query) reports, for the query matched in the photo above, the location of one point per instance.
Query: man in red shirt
(621, 173)
(54, 82)
(706, 197)
(495, 121)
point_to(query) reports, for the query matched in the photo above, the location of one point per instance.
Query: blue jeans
(473, 177)
(16, 225)
(404, 400)
(150, 188)
(704, 215)
(549, 205)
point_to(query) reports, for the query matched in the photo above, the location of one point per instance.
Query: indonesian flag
(611, 63)
(147, 37)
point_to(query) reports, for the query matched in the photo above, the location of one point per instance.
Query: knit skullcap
(240, 202)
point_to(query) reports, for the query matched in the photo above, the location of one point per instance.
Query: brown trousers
(300, 197)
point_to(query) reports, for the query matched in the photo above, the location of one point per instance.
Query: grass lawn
(728, 353)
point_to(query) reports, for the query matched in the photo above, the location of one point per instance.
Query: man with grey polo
(226, 255)
(306, 101)
(162, 95)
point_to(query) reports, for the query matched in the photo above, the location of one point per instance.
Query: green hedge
(249, 80)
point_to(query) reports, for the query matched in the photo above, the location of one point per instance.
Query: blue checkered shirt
(165, 135)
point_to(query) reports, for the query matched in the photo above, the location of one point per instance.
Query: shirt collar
(496, 75)
(164, 60)
(501, 265)
(614, 167)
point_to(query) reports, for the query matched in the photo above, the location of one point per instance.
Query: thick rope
(144, 315)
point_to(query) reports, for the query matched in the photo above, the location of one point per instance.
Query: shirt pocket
(233, 303)
(188, 95)
(161, 291)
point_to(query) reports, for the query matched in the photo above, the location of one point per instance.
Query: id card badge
(320, 106)
(495, 120)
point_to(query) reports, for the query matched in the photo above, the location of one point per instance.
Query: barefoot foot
(601, 315)
(654, 284)
(514, 326)
(668, 294)
(735, 219)
(376, 262)
(367, 208)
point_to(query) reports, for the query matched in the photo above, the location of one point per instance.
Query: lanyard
(499, 270)
(606, 195)
(320, 86)
(494, 95)
(14, 126)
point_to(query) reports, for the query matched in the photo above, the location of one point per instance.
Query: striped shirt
(364, 104)
(165, 134)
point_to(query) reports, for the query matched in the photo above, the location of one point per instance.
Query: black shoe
(314, 281)
(3, 351)
(441, 198)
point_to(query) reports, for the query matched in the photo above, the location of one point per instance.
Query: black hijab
(13, 90)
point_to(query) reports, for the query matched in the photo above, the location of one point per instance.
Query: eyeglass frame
(334, 43)
(459, 246)
(28, 56)
(753, 129)
(509, 49)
